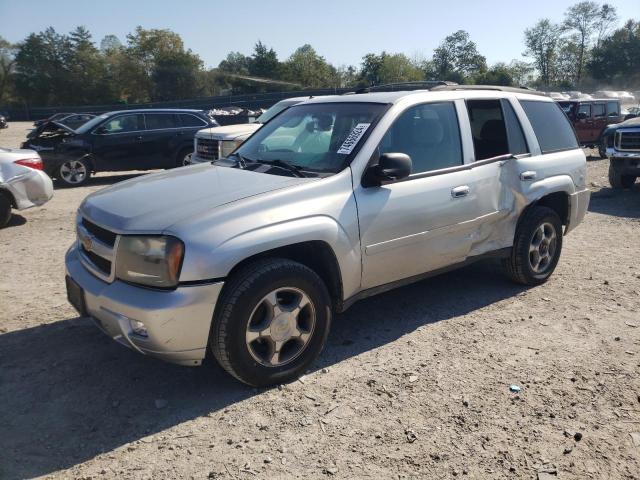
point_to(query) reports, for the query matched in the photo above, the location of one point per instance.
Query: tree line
(587, 47)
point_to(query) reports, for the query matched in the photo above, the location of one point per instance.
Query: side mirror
(390, 167)
(582, 116)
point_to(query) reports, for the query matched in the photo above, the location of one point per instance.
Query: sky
(341, 31)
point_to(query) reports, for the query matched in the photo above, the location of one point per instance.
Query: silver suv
(336, 199)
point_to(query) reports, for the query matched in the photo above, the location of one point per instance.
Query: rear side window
(613, 109)
(159, 121)
(488, 128)
(598, 110)
(429, 134)
(551, 126)
(191, 120)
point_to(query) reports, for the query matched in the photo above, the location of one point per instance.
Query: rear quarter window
(551, 126)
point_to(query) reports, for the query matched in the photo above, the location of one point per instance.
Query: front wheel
(272, 322)
(536, 247)
(617, 179)
(184, 157)
(74, 173)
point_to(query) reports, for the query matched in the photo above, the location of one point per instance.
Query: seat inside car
(492, 141)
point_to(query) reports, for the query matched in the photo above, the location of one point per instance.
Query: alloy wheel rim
(280, 327)
(542, 248)
(73, 172)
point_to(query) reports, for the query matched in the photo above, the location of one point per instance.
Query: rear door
(164, 134)
(118, 143)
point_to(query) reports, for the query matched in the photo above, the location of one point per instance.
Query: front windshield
(274, 110)
(86, 127)
(315, 137)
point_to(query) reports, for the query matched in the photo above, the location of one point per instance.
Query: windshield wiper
(295, 169)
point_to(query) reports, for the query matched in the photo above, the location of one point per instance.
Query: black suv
(118, 141)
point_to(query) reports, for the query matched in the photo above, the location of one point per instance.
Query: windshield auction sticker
(354, 137)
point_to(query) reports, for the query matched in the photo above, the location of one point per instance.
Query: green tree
(398, 68)
(617, 59)
(582, 19)
(457, 58)
(498, 74)
(264, 62)
(235, 63)
(7, 64)
(309, 69)
(541, 42)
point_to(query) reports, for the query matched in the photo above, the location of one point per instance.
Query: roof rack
(521, 89)
(399, 86)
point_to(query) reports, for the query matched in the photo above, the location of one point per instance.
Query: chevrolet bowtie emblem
(87, 243)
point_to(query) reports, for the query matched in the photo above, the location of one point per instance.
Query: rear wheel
(74, 173)
(272, 322)
(5, 210)
(536, 248)
(617, 179)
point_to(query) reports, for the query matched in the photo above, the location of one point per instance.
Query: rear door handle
(528, 176)
(459, 192)
(139, 137)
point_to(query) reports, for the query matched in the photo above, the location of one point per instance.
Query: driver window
(585, 109)
(124, 123)
(429, 134)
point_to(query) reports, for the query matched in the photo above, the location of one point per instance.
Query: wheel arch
(9, 195)
(314, 254)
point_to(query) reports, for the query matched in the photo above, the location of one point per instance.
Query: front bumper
(177, 321)
(578, 205)
(30, 188)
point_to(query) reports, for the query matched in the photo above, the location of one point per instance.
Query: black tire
(181, 156)
(81, 165)
(602, 150)
(242, 295)
(518, 266)
(617, 179)
(5, 210)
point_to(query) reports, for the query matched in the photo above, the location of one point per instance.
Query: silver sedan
(23, 183)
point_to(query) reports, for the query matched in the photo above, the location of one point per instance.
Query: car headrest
(427, 132)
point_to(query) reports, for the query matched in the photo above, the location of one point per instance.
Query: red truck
(590, 118)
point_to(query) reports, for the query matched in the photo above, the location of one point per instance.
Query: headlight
(228, 146)
(153, 261)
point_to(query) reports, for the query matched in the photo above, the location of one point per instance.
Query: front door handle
(139, 137)
(459, 192)
(528, 176)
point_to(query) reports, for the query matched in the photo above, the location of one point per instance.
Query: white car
(218, 142)
(23, 183)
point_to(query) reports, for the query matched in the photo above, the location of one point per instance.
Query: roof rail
(442, 88)
(399, 86)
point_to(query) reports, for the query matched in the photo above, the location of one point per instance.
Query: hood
(632, 122)
(152, 203)
(228, 132)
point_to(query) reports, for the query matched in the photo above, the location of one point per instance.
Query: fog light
(138, 328)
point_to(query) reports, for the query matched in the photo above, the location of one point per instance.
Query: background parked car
(119, 141)
(213, 143)
(590, 118)
(23, 183)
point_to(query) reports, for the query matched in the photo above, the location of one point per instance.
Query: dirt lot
(413, 383)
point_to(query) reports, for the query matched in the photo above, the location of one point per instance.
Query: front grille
(105, 236)
(103, 264)
(207, 149)
(629, 141)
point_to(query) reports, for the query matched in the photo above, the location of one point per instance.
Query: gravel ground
(413, 383)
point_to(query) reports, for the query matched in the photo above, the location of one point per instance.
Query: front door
(118, 144)
(417, 225)
(584, 123)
